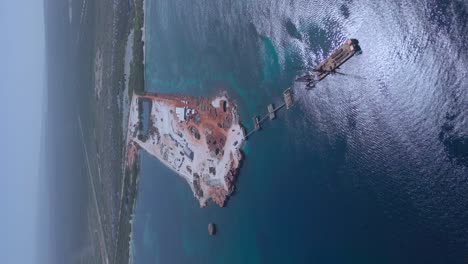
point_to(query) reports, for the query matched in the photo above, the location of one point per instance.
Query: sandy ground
(127, 63)
(98, 72)
(213, 165)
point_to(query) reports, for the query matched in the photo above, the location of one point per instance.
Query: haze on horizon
(22, 83)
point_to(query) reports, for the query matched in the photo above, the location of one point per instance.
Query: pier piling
(288, 102)
(271, 111)
(256, 123)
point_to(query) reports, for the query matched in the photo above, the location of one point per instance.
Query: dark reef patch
(292, 30)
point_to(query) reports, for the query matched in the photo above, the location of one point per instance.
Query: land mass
(198, 138)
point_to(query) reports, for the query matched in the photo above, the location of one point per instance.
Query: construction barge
(332, 63)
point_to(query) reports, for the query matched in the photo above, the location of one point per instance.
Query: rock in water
(211, 229)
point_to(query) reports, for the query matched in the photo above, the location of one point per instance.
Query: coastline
(143, 32)
(137, 68)
(135, 83)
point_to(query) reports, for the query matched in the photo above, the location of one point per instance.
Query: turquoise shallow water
(368, 168)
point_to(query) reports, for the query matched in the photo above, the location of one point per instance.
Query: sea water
(369, 167)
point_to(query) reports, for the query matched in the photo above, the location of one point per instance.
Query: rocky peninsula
(198, 138)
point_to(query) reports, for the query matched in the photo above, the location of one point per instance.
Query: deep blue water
(370, 167)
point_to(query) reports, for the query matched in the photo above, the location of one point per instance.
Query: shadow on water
(455, 146)
(292, 30)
